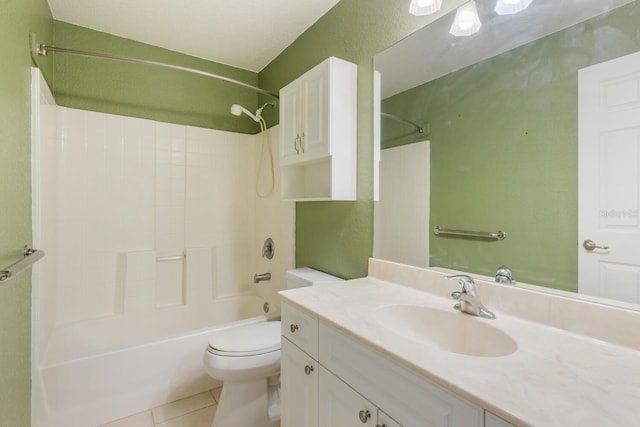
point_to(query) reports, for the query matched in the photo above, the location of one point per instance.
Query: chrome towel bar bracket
(30, 257)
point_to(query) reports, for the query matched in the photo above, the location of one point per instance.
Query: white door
(299, 387)
(609, 179)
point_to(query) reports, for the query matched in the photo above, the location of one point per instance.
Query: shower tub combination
(152, 241)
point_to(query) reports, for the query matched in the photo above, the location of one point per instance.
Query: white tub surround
(577, 362)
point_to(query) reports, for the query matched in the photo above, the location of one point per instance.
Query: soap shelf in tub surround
(559, 375)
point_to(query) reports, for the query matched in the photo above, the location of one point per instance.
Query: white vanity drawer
(301, 328)
(406, 396)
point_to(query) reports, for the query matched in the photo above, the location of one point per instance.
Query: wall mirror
(511, 117)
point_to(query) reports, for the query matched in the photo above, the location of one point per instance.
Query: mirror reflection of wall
(504, 145)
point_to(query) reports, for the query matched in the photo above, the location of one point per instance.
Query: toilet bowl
(246, 357)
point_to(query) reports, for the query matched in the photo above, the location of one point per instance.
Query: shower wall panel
(131, 191)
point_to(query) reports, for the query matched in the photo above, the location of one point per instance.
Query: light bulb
(511, 7)
(466, 21)
(424, 7)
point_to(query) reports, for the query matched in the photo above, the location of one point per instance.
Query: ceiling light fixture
(511, 7)
(466, 22)
(424, 7)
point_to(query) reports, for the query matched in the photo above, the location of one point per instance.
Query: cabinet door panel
(341, 406)
(289, 123)
(315, 137)
(299, 387)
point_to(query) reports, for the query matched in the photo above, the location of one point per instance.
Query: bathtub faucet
(257, 278)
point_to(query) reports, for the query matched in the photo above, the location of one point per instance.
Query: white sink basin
(448, 330)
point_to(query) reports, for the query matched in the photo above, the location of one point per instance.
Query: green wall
(337, 237)
(504, 150)
(144, 91)
(17, 19)
(332, 236)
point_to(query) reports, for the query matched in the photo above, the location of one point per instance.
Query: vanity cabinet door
(299, 387)
(341, 406)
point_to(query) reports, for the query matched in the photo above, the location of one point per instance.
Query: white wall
(401, 216)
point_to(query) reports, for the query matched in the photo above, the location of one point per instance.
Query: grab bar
(30, 257)
(498, 235)
(170, 258)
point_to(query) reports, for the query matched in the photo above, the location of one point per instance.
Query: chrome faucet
(469, 301)
(257, 278)
(503, 275)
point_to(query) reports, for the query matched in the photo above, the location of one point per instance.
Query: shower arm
(44, 50)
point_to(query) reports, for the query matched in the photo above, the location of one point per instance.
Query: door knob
(364, 416)
(591, 245)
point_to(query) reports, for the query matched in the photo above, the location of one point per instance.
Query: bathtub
(95, 372)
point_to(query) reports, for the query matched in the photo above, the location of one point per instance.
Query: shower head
(237, 110)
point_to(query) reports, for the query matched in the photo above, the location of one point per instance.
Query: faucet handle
(464, 280)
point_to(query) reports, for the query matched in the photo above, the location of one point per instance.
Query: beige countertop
(554, 378)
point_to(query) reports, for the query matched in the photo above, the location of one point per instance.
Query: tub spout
(257, 278)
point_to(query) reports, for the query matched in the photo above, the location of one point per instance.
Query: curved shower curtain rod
(44, 50)
(419, 129)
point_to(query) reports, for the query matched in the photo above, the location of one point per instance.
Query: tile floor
(194, 411)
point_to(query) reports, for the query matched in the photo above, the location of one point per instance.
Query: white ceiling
(243, 33)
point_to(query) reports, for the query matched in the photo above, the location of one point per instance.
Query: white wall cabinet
(318, 133)
(351, 384)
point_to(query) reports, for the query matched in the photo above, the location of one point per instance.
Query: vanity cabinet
(347, 383)
(318, 133)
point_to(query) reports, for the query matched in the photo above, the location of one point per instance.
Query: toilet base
(242, 404)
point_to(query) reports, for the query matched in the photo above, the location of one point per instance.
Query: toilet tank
(301, 277)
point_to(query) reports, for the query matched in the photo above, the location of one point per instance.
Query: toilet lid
(254, 338)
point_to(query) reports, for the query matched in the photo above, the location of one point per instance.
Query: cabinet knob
(308, 369)
(364, 416)
(293, 328)
(381, 425)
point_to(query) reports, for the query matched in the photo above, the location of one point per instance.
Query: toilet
(246, 357)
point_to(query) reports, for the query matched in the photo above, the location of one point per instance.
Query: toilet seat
(246, 340)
